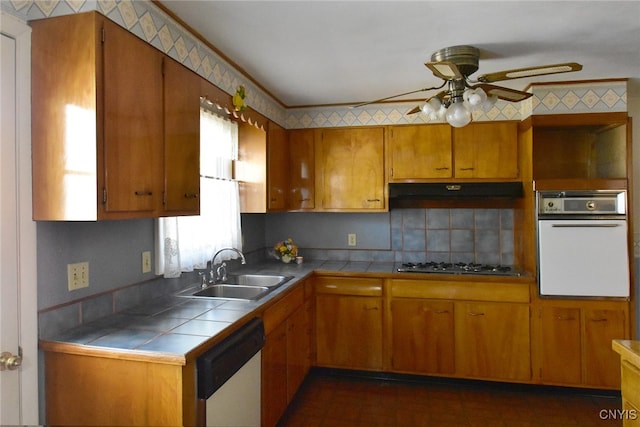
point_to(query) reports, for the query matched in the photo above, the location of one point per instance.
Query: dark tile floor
(335, 399)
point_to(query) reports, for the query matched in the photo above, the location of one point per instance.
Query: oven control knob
(550, 204)
(591, 205)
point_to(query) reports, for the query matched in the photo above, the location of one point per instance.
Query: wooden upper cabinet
(301, 169)
(486, 150)
(98, 127)
(66, 127)
(251, 168)
(581, 146)
(477, 151)
(420, 152)
(133, 123)
(181, 139)
(277, 167)
(350, 169)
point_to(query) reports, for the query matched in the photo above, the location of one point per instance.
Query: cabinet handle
(565, 318)
(442, 169)
(304, 200)
(441, 311)
(599, 319)
(466, 169)
(143, 193)
(191, 195)
(475, 313)
(373, 200)
(370, 308)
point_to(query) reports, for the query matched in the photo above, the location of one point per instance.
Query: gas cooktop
(457, 268)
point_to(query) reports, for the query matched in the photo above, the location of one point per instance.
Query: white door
(18, 304)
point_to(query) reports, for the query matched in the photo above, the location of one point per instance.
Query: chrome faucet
(220, 274)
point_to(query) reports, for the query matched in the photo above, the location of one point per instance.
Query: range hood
(455, 190)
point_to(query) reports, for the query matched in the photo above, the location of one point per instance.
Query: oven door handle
(585, 225)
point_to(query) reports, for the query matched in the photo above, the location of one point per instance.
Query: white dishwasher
(229, 379)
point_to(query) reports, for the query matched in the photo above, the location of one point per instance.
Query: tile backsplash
(453, 235)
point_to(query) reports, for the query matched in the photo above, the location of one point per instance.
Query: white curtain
(188, 242)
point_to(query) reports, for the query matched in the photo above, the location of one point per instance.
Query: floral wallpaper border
(147, 21)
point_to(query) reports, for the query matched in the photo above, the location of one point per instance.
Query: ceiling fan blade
(504, 93)
(445, 70)
(397, 96)
(519, 73)
(414, 110)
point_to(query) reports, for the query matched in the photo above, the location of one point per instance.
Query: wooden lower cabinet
(286, 354)
(274, 376)
(83, 389)
(560, 346)
(349, 323)
(492, 340)
(422, 336)
(572, 342)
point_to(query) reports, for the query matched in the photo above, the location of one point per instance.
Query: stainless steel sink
(248, 287)
(233, 292)
(261, 280)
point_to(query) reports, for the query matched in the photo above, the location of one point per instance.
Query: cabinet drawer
(357, 286)
(281, 310)
(469, 291)
(631, 383)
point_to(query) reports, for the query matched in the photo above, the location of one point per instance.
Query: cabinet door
(601, 363)
(352, 168)
(298, 349)
(277, 167)
(133, 123)
(560, 345)
(492, 340)
(422, 336)
(486, 150)
(182, 139)
(349, 331)
(274, 376)
(301, 169)
(251, 168)
(420, 152)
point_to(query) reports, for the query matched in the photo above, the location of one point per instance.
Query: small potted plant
(286, 250)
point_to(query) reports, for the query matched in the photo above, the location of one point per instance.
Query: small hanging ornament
(238, 99)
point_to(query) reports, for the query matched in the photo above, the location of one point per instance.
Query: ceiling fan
(463, 95)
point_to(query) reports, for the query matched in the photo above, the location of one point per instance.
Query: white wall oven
(583, 243)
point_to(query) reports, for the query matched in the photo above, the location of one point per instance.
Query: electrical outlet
(351, 239)
(78, 275)
(146, 261)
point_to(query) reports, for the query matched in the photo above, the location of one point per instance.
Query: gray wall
(112, 248)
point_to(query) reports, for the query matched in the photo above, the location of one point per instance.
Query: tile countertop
(171, 329)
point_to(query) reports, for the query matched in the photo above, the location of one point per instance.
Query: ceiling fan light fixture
(458, 115)
(475, 98)
(431, 106)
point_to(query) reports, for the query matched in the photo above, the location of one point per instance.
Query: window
(188, 242)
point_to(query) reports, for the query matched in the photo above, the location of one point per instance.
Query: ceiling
(307, 53)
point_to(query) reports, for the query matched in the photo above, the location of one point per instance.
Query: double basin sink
(249, 287)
